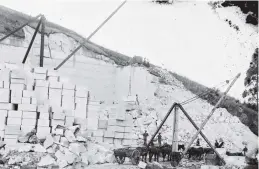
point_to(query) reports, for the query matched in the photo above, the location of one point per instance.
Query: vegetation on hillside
(247, 116)
(251, 83)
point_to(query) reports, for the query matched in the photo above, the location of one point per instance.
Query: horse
(195, 152)
(143, 152)
(153, 150)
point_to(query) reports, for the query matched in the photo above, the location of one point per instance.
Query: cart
(132, 153)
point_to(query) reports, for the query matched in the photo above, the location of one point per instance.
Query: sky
(188, 38)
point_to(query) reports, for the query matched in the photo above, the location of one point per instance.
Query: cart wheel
(120, 159)
(135, 157)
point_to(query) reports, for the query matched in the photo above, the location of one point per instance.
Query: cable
(206, 92)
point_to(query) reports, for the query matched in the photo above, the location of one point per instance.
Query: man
(137, 102)
(198, 142)
(159, 138)
(221, 143)
(145, 135)
(216, 144)
(245, 150)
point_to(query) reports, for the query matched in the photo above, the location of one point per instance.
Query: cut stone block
(119, 135)
(55, 100)
(27, 128)
(128, 136)
(55, 85)
(81, 93)
(117, 142)
(6, 106)
(98, 139)
(10, 141)
(109, 134)
(44, 116)
(41, 94)
(116, 128)
(43, 122)
(52, 73)
(69, 121)
(127, 142)
(80, 113)
(28, 94)
(92, 123)
(108, 140)
(26, 100)
(15, 114)
(38, 76)
(53, 78)
(2, 121)
(66, 92)
(6, 84)
(16, 100)
(5, 74)
(128, 129)
(27, 107)
(17, 81)
(4, 95)
(15, 130)
(69, 86)
(17, 74)
(40, 70)
(98, 133)
(1, 84)
(57, 109)
(43, 109)
(34, 101)
(102, 124)
(81, 100)
(3, 113)
(28, 122)
(54, 122)
(20, 87)
(14, 121)
(112, 122)
(69, 112)
(55, 92)
(42, 83)
(59, 116)
(42, 132)
(16, 93)
(58, 131)
(82, 122)
(29, 115)
(1, 134)
(56, 138)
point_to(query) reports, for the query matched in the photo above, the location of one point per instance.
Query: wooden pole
(209, 116)
(201, 133)
(175, 130)
(19, 28)
(42, 40)
(89, 37)
(32, 40)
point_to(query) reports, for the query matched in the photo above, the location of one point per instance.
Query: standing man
(198, 142)
(216, 144)
(137, 102)
(145, 135)
(159, 138)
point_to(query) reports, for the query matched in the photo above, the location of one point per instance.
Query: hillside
(111, 84)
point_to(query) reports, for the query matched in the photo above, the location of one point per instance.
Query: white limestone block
(18, 81)
(28, 122)
(3, 113)
(39, 76)
(66, 92)
(15, 114)
(55, 122)
(92, 123)
(69, 86)
(42, 132)
(27, 128)
(4, 95)
(28, 94)
(12, 129)
(55, 85)
(98, 133)
(118, 135)
(102, 124)
(53, 78)
(40, 70)
(98, 139)
(43, 122)
(45, 116)
(109, 134)
(27, 107)
(34, 100)
(6, 106)
(81, 100)
(42, 83)
(29, 115)
(26, 100)
(69, 121)
(59, 116)
(44, 108)
(108, 140)
(6, 84)
(14, 121)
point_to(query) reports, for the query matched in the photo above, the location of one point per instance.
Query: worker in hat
(145, 135)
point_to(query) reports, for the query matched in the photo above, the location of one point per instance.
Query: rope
(221, 84)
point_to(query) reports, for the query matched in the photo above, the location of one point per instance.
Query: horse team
(165, 151)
